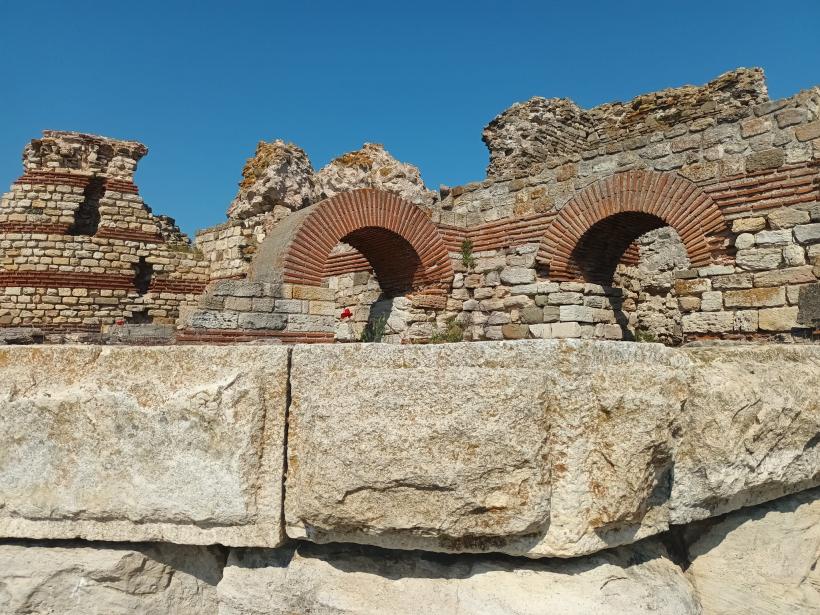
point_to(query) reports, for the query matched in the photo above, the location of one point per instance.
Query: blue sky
(201, 82)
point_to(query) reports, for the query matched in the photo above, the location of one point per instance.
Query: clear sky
(201, 82)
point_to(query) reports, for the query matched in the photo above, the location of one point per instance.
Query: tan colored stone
(81, 578)
(340, 580)
(748, 225)
(755, 297)
(490, 446)
(778, 319)
(180, 444)
(695, 286)
(782, 277)
(787, 218)
(759, 561)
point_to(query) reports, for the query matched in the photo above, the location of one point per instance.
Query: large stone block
(180, 444)
(514, 447)
(759, 561)
(541, 448)
(348, 580)
(750, 428)
(82, 578)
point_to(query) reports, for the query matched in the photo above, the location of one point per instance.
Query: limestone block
(345, 580)
(794, 255)
(773, 238)
(576, 313)
(778, 319)
(517, 275)
(782, 277)
(81, 578)
(749, 430)
(566, 330)
(262, 320)
(755, 297)
(212, 319)
(759, 259)
(787, 218)
(707, 322)
(748, 225)
(759, 561)
(807, 233)
(712, 301)
(486, 447)
(180, 444)
(744, 241)
(746, 321)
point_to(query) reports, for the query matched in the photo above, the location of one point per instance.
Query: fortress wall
(80, 250)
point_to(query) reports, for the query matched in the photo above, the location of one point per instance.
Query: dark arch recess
(401, 243)
(663, 199)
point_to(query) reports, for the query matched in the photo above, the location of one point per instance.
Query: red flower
(346, 313)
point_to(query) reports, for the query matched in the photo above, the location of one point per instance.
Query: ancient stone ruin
(187, 427)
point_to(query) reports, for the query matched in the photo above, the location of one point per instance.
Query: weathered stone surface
(750, 428)
(756, 297)
(778, 319)
(490, 446)
(748, 225)
(787, 218)
(373, 167)
(279, 174)
(182, 444)
(525, 447)
(707, 322)
(758, 259)
(759, 561)
(807, 233)
(340, 579)
(86, 578)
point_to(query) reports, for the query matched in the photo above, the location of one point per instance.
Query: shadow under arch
(627, 205)
(397, 238)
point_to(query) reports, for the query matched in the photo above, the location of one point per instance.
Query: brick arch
(628, 200)
(396, 236)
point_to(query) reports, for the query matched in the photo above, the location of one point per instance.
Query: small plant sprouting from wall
(467, 257)
(453, 332)
(374, 330)
(642, 335)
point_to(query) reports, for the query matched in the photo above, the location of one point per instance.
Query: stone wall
(681, 481)
(681, 215)
(79, 250)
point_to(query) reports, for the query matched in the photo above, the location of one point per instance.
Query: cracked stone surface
(345, 579)
(183, 444)
(84, 578)
(373, 167)
(541, 448)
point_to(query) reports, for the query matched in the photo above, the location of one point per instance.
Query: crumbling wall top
(527, 134)
(75, 152)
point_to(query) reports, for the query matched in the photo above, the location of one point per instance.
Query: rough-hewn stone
(547, 475)
(759, 561)
(279, 175)
(373, 167)
(182, 444)
(87, 578)
(345, 579)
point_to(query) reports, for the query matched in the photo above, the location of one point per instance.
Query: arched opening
(371, 270)
(608, 243)
(394, 261)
